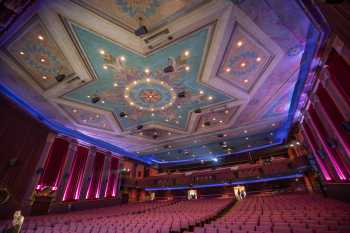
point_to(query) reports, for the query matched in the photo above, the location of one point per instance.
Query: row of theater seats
(153, 217)
(287, 213)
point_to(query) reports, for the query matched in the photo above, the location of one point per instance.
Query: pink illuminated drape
(335, 117)
(94, 188)
(54, 164)
(322, 135)
(112, 181)
(72, 190)
(322, 165)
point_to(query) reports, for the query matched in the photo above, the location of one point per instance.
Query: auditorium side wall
(22, 140)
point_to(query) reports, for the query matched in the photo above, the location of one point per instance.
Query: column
(88, 173)
(319, 161)
(315, 125)
(66, 170)
(117, 185)
(105, 173)
(335, 127)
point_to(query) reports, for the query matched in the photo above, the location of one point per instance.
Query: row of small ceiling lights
(243, 64)
(224, 143)
(91, 118)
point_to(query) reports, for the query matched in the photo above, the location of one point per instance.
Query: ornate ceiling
(210, 78)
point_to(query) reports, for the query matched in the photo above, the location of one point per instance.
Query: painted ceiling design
(136, 88)
(154, 13)
(222, 81)
(40, 56)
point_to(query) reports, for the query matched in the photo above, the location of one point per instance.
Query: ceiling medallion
(150, 94)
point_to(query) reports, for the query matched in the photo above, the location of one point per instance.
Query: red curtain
(96, 178)
(340, 73)
(328, 168)
(54, 164)
(112, 181)
(333, 112)
(72, 191)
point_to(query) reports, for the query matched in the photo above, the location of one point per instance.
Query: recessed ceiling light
(187, 68)
(169, 133)
(103, 101)
(171, 89)
(210, 97)
(167, 120)
(147, 71)
(97, 116)
(42, 60)
(187, 53)
(178, 106)
(180, 116)
(126, 96)
(221, 121)
(201, 92)
(148, 80)
(258, 59)
(228, 69)
(243, 64)
(141, 133)
(245, 80)
(245, 131)
(214, 119)
(239, 43)
(152, 114)
(141, 108)
(127, 88)
(227, 111)
(135, 82)
(105, 67)
(88, 96)
(40, 37)
(74, 110)
(102, 52)
(122, 58)
(131, 103)
(115, 84)
(152, 109)
(44, 77)
(22, 53)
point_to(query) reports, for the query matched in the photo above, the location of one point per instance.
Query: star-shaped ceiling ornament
(161, 88)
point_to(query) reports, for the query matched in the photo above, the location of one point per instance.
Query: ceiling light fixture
(142, 29)
(228, 69)
(258, 59)
(187, 53)
(239, 43)
(40, 37)
(22, 53)
(102, 52)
